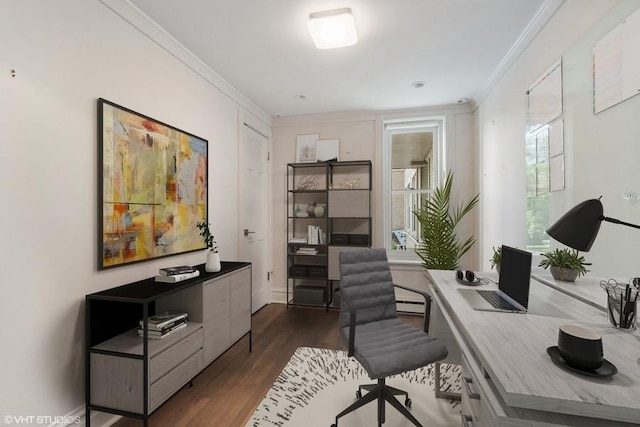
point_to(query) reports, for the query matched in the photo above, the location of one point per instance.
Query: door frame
(246, 120)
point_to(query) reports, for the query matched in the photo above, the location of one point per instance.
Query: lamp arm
(617, 221)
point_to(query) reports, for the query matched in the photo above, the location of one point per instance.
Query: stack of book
(176, 274)
(307, 251)
(162, 325)
(315, 235)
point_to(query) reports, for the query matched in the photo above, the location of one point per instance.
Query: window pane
(412, 160)
(538, 218)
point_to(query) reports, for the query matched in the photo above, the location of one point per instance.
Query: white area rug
(317, 384)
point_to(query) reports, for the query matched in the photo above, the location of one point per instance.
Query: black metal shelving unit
(343, 190)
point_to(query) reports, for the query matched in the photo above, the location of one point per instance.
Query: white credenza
(131, 376)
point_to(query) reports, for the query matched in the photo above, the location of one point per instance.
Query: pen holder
(622, 308)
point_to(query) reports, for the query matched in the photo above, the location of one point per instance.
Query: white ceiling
(263, 49)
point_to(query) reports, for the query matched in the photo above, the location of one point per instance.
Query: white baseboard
(279, 296)
(76, 418)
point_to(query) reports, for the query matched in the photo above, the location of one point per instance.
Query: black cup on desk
(580, 347)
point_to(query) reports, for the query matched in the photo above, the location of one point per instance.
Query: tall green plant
(439, 247)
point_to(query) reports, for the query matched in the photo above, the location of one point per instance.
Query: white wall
(605, 149)
(360, 139)
(501, 127)
(67, 54)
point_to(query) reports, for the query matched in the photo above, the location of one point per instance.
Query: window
(544, 153)
(413, 155)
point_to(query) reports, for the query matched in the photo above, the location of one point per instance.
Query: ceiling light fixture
(333, 28)
(418, 84)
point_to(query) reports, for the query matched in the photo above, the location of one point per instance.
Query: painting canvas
(152, 187)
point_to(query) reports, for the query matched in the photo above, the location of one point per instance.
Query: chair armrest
(427, 304)
(352, 325)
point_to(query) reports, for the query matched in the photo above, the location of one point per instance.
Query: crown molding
(139, 20)
(544, 14)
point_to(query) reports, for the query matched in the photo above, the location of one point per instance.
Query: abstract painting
(152, 187)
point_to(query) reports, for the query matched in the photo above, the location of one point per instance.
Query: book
(166, 324)
(164, 319)
(177, 277)
(158, 335)
(164, 329)
(171, 271)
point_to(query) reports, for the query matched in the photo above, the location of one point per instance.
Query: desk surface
(512, 351)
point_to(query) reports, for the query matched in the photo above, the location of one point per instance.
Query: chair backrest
(366, 283)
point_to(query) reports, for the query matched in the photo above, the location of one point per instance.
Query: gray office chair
(369, 325)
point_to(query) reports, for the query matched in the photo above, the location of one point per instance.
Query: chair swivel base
(382, 393)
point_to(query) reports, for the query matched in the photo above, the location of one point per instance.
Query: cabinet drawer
(163, 362)
(174, 379)
(474, 400)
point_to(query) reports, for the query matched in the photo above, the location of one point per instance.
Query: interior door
(254, 214)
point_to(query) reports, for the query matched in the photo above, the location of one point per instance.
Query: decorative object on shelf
(311, 207)
(308, 182)
(327, 150)
(352, 184)
(439, 247)
(319, 210)
(306, 148)
(496, 258)
(136, 222)
(565, 264)
(213, 262)
(622, 302)
(213, 257)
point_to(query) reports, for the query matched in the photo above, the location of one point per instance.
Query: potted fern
(213, 257)
(566, 265)
(439, 246)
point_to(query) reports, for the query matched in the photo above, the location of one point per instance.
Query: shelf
(132, 343)
(344, 188)
(148, 290)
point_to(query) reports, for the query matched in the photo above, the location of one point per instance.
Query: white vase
(213, 262)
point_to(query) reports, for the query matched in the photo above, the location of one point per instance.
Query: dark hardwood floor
(227, 392)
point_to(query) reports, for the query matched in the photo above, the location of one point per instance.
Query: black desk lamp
(579, 227)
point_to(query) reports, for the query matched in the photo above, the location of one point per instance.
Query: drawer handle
(466, 382)
(467, 420)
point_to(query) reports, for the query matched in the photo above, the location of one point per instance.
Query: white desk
(510, 379)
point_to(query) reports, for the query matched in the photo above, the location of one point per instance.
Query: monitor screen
(515, 274)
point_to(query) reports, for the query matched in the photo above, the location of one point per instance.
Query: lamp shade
(579, 227)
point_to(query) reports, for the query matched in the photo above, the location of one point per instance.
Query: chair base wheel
(407, 402)
(358, 394)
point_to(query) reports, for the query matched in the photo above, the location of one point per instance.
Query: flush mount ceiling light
(418, 84)
(333, 28)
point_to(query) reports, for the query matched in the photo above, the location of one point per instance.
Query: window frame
(437, 125)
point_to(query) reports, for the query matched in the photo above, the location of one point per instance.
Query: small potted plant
(565, 264)
(213, 257)
(496, 258)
